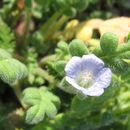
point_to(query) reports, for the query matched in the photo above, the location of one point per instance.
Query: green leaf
(122, 48)
(7, 39)
(71, 12)
(77, 48)
(4, 54)
(28, 4)
(78, 4)
(63, 46)
(44, 3)
(39, 102)
(59, 67)
(128, 37)
(12, 70)
(126, 60)
(90, 104)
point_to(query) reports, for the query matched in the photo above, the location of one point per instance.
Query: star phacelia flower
(88, 75)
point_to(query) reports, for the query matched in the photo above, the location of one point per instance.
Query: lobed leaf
(39, 102)
(7, 39)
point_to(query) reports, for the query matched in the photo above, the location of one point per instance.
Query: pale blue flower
(88, 75)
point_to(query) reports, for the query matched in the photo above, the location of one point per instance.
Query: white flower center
(84, 79)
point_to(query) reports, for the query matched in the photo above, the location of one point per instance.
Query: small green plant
(7, 39)
(51, 81)
(39, 102)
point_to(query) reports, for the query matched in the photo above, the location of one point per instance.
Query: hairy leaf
(12, 70)
(4, 54)
(39, 102)
(90, 104)
(59, 67)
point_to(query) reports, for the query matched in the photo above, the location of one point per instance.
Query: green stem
(122, 51)
(27, 25)
(48, 24)
(121, 55)
(123, 48)
(58, 24)
(46, 59)
(45, 75)
(18, 92)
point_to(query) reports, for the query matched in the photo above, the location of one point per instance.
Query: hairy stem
(48, 24)
(57, 25)
(17, 90)
(44, 74)
(26, 28)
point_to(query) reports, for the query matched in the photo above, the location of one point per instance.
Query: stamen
(85, 79)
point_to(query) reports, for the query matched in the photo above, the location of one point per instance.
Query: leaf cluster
(39, 102)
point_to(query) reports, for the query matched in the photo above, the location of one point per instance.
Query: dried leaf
(119, 26)
(85, 30)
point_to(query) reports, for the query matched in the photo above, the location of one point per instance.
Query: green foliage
(42, 22)
(128, 37)
(55, 63)
(12, 70)
(77, 4)
(77, 48)
(4, 54)
(68, 7)
(109, 43)
(44, 3)
(7, 40)
(36, 75)
(90, 113)
(28, 4)
(39, 102)
(92, 103)
(5, 11)
(123, 48)
(124, 4)
(63, 48)
(59, 67)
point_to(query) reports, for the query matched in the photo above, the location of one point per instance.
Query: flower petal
(94, 91)
(92, 63)
(73, 66)
(74, 84)
(103, 78)
(88, 63)
(67, 87)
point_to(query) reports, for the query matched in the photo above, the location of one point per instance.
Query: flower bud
(77, 48)
(109, 42)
